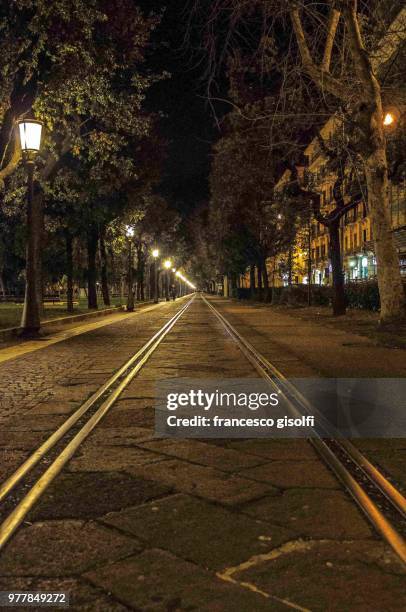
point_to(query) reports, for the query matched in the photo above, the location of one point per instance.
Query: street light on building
(30, 132)
(130, 296)
(155, 255)
(391, 117)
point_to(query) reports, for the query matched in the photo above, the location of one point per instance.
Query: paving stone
(83, 597)
(9, 461)
(205, 454)
(379, 444)
(202, 532)
(72, 393)
(39, 422)
(288, 450)
(110, 458)
(143, 417)
(285, 474)
(316, 513)
(202, 481)
(120, 436)
(92, 494)
(157, 581)
(392, 462)
(63, 548)
(336, 576)
(53, 407)
(20, 440)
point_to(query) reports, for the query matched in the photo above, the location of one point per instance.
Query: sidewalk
(303, 344)
(62, 329)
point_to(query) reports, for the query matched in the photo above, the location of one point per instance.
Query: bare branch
(362, 63)
(322, 79)
(334, 18)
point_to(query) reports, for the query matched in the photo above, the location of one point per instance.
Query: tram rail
(360, 477)
(91, 411)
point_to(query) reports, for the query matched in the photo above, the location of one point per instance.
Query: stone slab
(315, 513)
(157, 581)
(91, 494)
(287, 474)
(63, 548)
(335, 576)
(206, 454)
(205, 533)
(201, 481)
(110, 458)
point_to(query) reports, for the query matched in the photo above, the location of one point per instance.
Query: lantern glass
(30, 135)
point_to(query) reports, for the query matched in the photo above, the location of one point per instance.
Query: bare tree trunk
(69, 270)
(2, 288)
(389, 280)
(290, 265)
(339, 302)
(103, 270)
(92, 239)
(259, 278)
(266, 281)
(252, 281)
(31, 317)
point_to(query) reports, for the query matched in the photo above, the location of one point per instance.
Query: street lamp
(167, 266)
(30, 132)
(391, 117)
(155, 255)
(130, 296)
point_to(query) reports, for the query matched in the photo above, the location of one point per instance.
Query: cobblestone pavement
(140, 523)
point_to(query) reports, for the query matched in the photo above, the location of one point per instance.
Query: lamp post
(167, 266)
(30, 132)
(155, 255)
(174, 284)
(130, 295)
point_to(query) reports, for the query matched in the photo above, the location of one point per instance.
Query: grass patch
(10, 313)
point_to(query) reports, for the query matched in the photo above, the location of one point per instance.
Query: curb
(12, 332)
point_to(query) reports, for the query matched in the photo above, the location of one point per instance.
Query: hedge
(363, 295)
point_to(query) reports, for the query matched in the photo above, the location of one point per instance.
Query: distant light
(155, 253)
(129, 231)
(364, 262)
(353, 263)
(178, 273)
(167, 264)
(30, 135)
(174, 270)
(388, 119)
(279, 216)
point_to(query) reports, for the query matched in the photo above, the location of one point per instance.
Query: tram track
(381, 502)
(364, 482)
(73, 432)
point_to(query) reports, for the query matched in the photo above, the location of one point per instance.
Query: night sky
(189, 126)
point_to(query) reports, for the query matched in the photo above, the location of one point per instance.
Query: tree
(78, 65)
(246, 220)
(341, 56)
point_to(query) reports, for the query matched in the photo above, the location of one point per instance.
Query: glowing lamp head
(155, 253)
(178, 274)
(167, 264)
(174, 270)
(30, 135)
(389, 119)
(129, 231)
